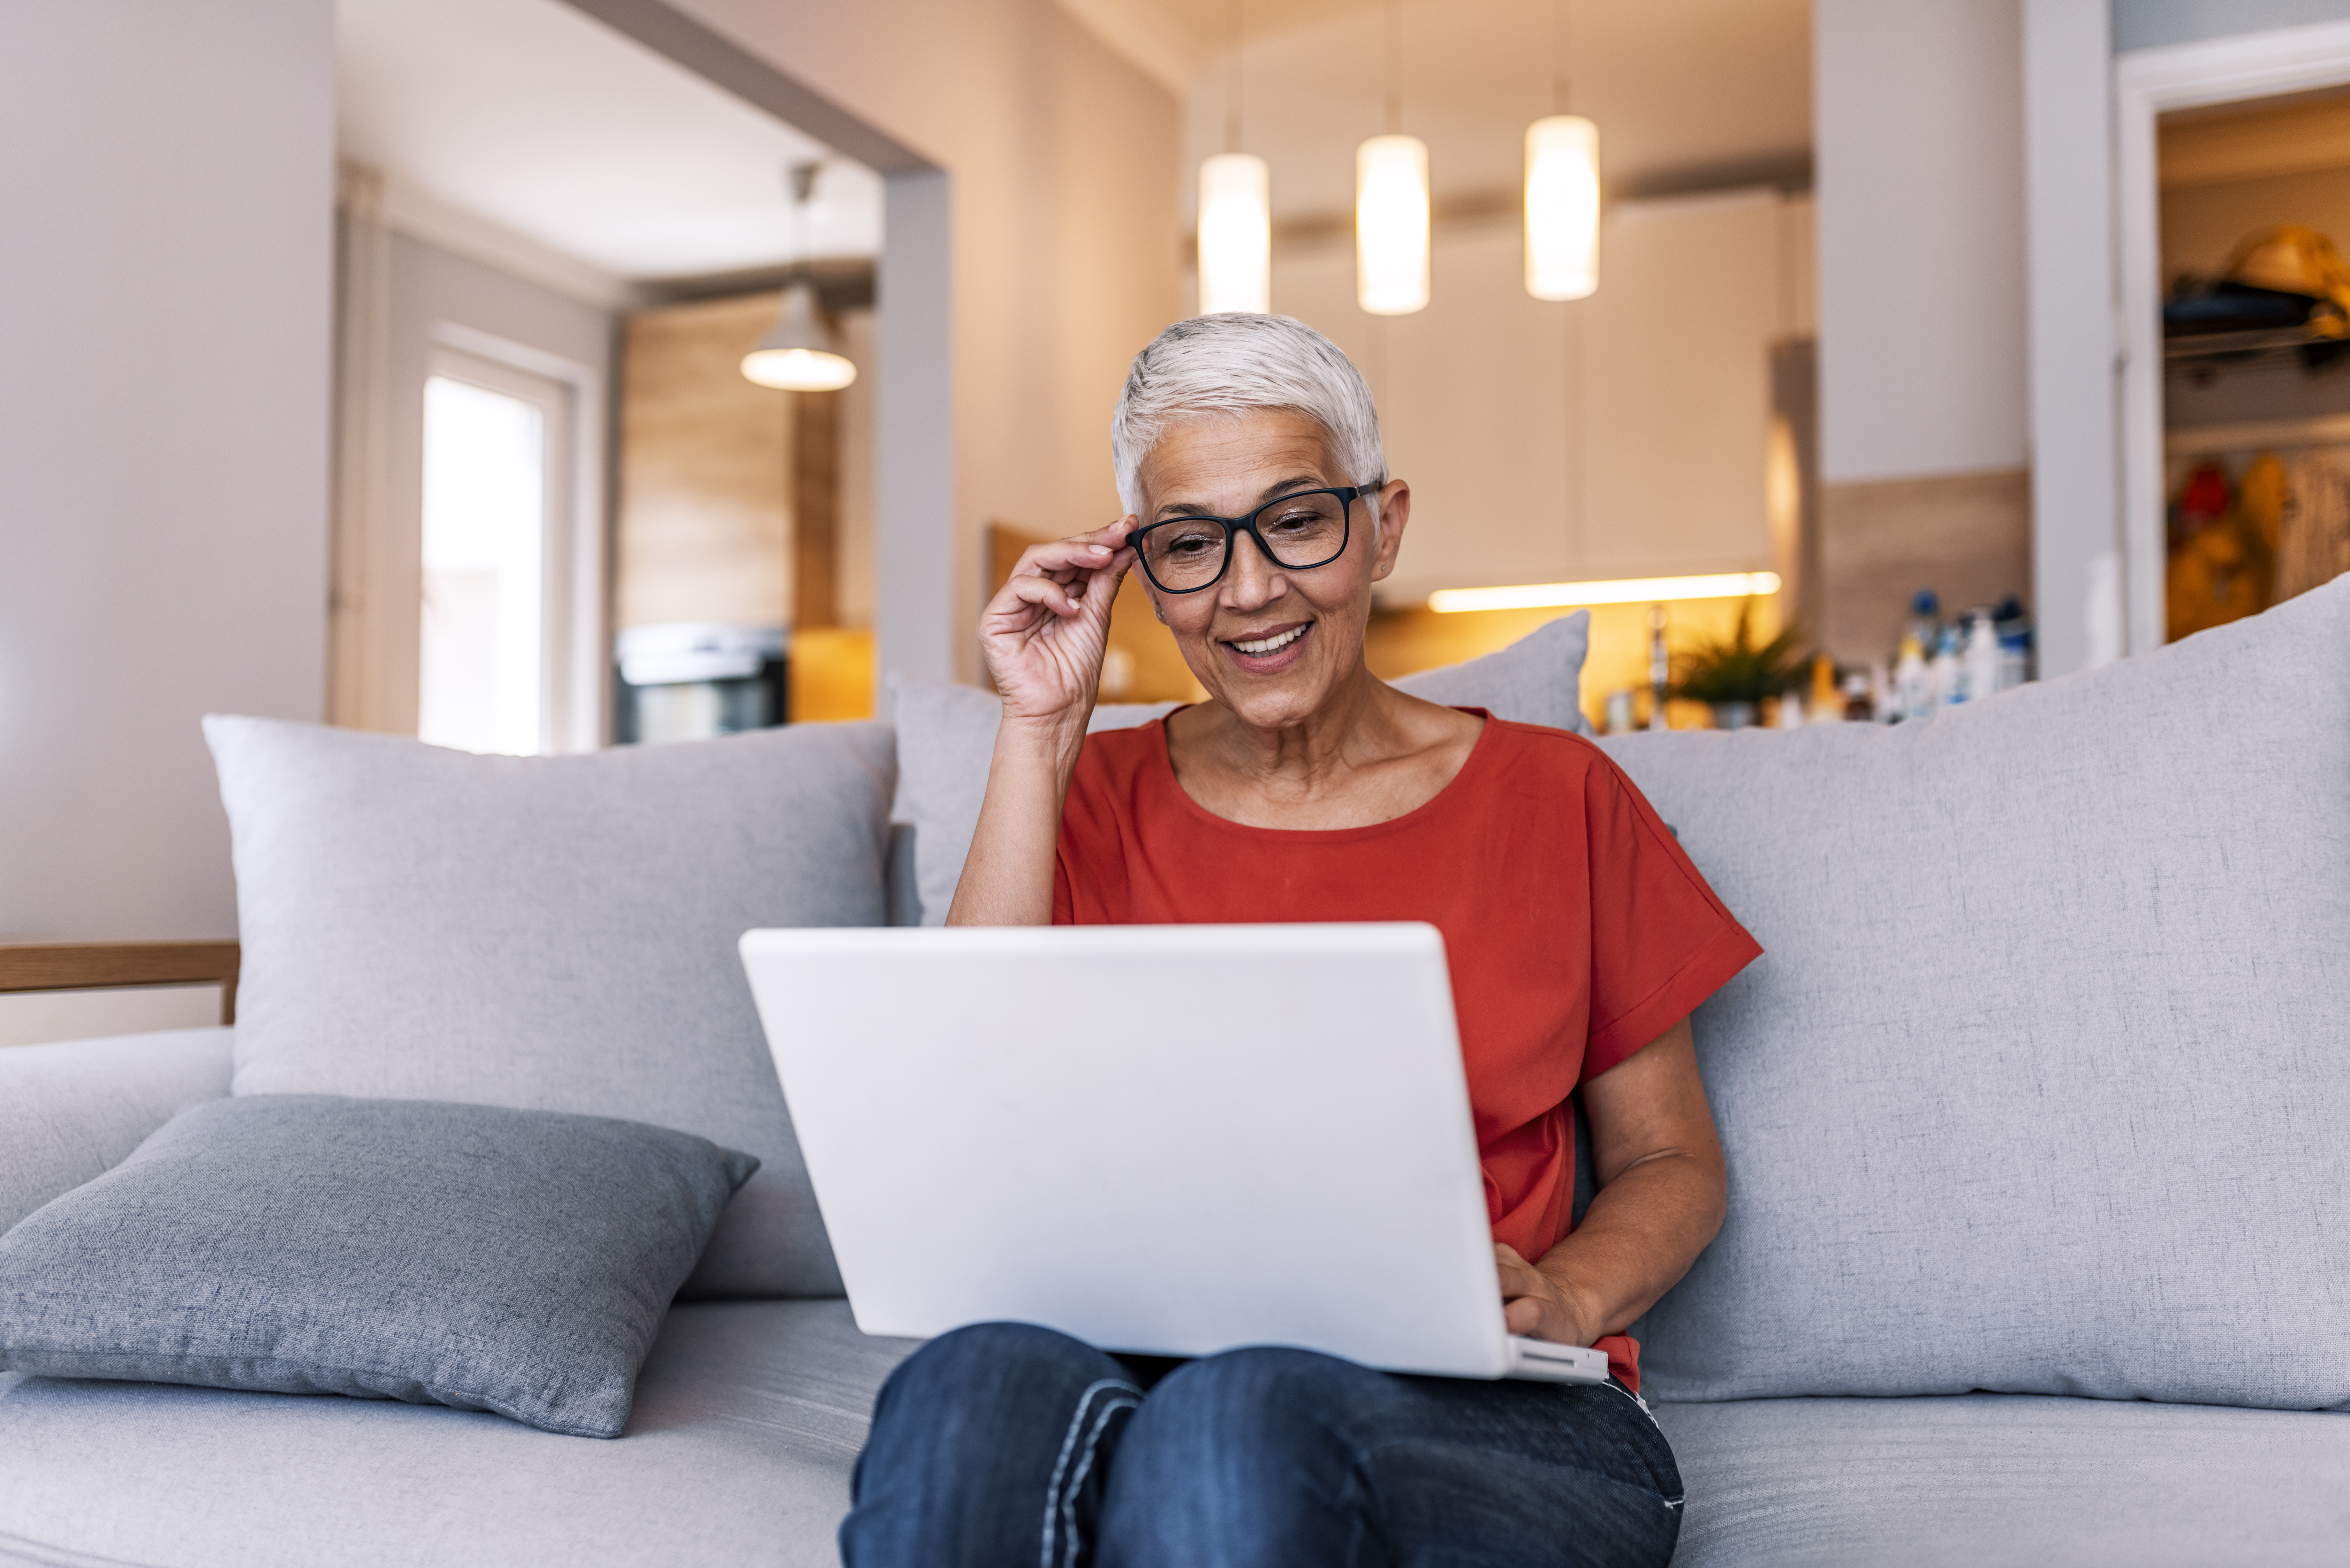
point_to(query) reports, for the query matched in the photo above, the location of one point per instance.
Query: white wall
(1621, 435)
(1060, 215)
(167, 199)
(1920, 124)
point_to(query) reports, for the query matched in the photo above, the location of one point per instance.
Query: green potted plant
(1733, 676)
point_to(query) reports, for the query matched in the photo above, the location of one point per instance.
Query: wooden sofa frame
(108, 966)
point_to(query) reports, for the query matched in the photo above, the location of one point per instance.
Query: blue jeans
(1008, 1444)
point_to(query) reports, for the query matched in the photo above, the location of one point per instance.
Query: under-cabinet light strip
(1624, 591)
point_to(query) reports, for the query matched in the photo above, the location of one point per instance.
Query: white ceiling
(530, 115)
(1689, 94)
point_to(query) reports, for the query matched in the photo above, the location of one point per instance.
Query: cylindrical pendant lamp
(1236, 234)
(1562, 207)
(1391, 225)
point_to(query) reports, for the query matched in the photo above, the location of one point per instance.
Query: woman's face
(1270, 642)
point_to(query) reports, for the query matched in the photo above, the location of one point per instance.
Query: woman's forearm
(1638, 1239)
(1007, 879)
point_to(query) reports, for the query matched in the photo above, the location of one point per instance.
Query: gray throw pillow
(514, 1262)
(552, 933)
(946, 735)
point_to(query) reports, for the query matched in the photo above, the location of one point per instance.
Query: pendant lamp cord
(1394, 66)
(802, 180)
(1558, 83)
(1232, 76)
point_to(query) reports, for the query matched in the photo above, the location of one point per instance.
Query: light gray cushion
(946, 735)
(2040, 1087)
(2010, 1481)
(70, 1110)
(552, 933)
(748, 1416)
(514, 1262)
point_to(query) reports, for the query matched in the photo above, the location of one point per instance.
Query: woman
(1579, 939)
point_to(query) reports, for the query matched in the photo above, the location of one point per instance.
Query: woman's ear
(1395, 512)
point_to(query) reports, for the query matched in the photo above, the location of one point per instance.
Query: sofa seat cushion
(748, 1416)
(1986, 1479)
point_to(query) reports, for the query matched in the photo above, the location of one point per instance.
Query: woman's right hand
(1045, 632)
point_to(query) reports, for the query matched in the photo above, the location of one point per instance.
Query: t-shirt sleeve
(1661, 942)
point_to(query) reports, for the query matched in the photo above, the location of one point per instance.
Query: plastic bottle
(1913, 682)
(1926, 620)
(2014, 629)
(1981, 676)
(1949, 670)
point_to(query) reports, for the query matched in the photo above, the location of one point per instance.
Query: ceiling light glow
(1562, 207)
(1391, 225)
(1236, 234)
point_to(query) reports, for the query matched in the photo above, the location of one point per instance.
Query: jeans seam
(1060, 1505)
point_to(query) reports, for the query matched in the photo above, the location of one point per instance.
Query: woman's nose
(1254, 578)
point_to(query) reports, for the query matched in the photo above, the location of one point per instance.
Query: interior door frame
(2147, 84)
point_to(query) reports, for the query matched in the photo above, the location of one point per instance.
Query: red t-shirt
(1575, 928)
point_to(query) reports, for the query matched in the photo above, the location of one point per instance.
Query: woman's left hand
(1537, 1306)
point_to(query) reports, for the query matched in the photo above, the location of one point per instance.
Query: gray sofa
(2037, 1114)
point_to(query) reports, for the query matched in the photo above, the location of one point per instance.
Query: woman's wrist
(1052, 740)
(1587, 1314)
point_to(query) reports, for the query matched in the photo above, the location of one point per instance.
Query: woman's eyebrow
(1272, 491)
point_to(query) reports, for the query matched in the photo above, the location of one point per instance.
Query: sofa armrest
(95, 966)
(71, 1111)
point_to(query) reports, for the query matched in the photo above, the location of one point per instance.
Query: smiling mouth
(1258, 648)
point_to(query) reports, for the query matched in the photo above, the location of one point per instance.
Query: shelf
(2231, 350)
(2203, 440)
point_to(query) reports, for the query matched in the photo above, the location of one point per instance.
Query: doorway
(489, 642)
(2183, 105)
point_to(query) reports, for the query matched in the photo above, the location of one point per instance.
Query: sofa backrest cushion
(2040, 1087)
(946, 735)
(552, 933)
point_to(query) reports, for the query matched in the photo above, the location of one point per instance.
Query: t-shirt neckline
(1163, 762)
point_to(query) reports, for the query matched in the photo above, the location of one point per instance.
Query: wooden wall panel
(706, 491)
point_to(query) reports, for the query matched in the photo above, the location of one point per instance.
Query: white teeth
(1273, 644)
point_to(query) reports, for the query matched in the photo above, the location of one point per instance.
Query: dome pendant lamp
(798, 354)
(1562, 194)
(1235, 207)
(1392, 205)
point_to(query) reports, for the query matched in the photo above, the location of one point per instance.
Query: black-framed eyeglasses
(1302, 530)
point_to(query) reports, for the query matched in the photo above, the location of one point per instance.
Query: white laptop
(1165, 1139)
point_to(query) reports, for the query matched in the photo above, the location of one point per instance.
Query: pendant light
(1391, 203)
(1562, 192)
(798, 354)
(1235, 206)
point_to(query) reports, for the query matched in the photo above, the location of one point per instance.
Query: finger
(1041, 593)
(1523, 1317)
(1080, 554)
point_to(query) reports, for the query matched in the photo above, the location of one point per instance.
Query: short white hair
(1240, 362)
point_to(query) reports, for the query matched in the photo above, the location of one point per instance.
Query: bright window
(480, 682)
